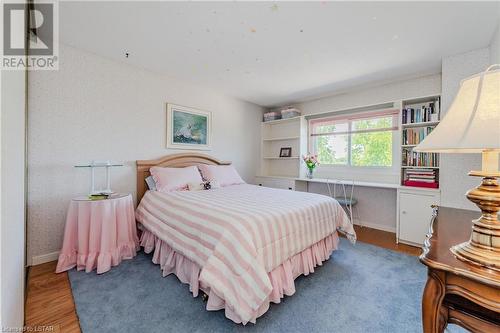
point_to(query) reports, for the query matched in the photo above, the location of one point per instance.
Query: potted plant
(311, 162)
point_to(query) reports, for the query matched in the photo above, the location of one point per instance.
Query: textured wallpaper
(97, 109)
(455, 167)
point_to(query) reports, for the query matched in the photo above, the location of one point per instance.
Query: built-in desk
(384, 206)
(347, 182)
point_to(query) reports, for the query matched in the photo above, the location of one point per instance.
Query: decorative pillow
(196, 186)
(225, 175)
(174, 179)
(151, 183)
(206, 185)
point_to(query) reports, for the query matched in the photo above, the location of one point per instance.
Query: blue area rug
(362, 288)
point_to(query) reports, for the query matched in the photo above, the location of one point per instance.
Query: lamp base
(483, 248)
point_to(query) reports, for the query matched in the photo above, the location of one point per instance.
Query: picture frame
(286, 152)
(188, 128)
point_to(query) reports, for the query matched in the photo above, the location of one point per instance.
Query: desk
(457, 292)
(347, 182)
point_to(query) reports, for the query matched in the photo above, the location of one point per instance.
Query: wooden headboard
(170, 161)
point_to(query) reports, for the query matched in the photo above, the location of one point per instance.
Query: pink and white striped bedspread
(237, 234)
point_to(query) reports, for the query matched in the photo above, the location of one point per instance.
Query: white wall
(12, 198)
(376, 207)
(95, 108)
(495, 47)
(388, 92)
(455, 167)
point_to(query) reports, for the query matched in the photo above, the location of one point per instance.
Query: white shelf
(420, 124)
(282, 138)
(278, 121)
(280, 158)
(408, 146)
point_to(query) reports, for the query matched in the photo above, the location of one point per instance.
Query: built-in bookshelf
(419, 117)
(278, 134)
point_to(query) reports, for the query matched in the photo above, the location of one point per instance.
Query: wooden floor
(50, 301)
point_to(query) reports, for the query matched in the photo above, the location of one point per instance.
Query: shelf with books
(421, 124)
(418, 119)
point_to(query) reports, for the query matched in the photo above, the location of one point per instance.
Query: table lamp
(472, 125)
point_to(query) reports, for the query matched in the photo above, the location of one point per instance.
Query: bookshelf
(419, 117)
(277, 134)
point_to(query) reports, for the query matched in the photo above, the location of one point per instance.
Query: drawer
(281, 183)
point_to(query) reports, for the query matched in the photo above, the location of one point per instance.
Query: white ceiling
(273, 53)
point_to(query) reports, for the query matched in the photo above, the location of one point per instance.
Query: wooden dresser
(457, 292)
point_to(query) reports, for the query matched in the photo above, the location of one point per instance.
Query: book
(421, 184)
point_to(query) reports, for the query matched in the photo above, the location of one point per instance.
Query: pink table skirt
(98, 234)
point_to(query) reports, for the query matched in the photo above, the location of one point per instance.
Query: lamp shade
(472, 123)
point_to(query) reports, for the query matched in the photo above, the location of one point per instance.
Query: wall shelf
(420, 124)
(280, 158)
(422, 109)
(279, 121)
(282, 138)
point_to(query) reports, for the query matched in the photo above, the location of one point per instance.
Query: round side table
(98, 234)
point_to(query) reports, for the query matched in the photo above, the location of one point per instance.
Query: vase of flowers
(311, 162)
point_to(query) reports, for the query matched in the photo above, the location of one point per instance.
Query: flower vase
(309, 173)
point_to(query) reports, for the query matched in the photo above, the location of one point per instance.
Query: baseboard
(42, 259)
(375, 226)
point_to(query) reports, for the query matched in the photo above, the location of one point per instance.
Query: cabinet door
(415, 214)
(286, 184)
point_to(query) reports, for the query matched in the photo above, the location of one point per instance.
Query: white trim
(377, 226)
(42, 259)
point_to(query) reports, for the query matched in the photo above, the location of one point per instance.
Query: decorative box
(290, 113)
(274, 115)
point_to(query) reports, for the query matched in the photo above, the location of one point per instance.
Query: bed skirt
(282, 277)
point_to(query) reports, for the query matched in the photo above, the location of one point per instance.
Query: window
(355, 140)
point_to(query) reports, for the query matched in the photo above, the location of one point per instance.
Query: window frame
(350, 118)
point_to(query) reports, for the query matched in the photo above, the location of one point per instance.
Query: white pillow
(151, 183)
(225, 175)
(175, 179)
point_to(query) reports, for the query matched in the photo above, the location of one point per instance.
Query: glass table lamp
(100, 164)
(472, 125)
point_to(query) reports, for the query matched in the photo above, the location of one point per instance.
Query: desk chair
(348, 201)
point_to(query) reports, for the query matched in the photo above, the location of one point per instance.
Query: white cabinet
(282, 183)
(415, 214)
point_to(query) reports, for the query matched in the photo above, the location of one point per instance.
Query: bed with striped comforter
(237, 234)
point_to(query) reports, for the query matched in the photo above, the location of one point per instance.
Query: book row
(413, 136)
(411, 158)
(425, 113)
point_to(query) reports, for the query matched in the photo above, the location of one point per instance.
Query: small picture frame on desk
(286, 152)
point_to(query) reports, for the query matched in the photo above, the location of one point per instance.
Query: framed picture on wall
(188, 128)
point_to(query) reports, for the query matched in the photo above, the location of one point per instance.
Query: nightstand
(99, 234)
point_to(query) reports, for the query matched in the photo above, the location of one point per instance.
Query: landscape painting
(188, 128)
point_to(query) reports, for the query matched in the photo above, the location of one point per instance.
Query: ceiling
(274, 53)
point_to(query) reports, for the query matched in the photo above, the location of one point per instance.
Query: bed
(242, 245)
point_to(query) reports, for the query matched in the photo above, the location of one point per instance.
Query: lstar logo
(29, 37)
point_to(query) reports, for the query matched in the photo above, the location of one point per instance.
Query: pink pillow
(174, 179)
(225, 175)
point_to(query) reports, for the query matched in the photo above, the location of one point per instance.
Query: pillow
(196, 186)
(174, 179)
(151, 183)
(207, 185)
(225, 175)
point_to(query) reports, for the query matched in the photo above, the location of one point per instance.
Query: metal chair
(348, 201)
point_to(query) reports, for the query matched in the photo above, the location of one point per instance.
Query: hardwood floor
(50, 301)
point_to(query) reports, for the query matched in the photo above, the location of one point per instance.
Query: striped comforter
(237, 234)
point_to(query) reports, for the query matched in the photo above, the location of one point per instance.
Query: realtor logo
(29, 37)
